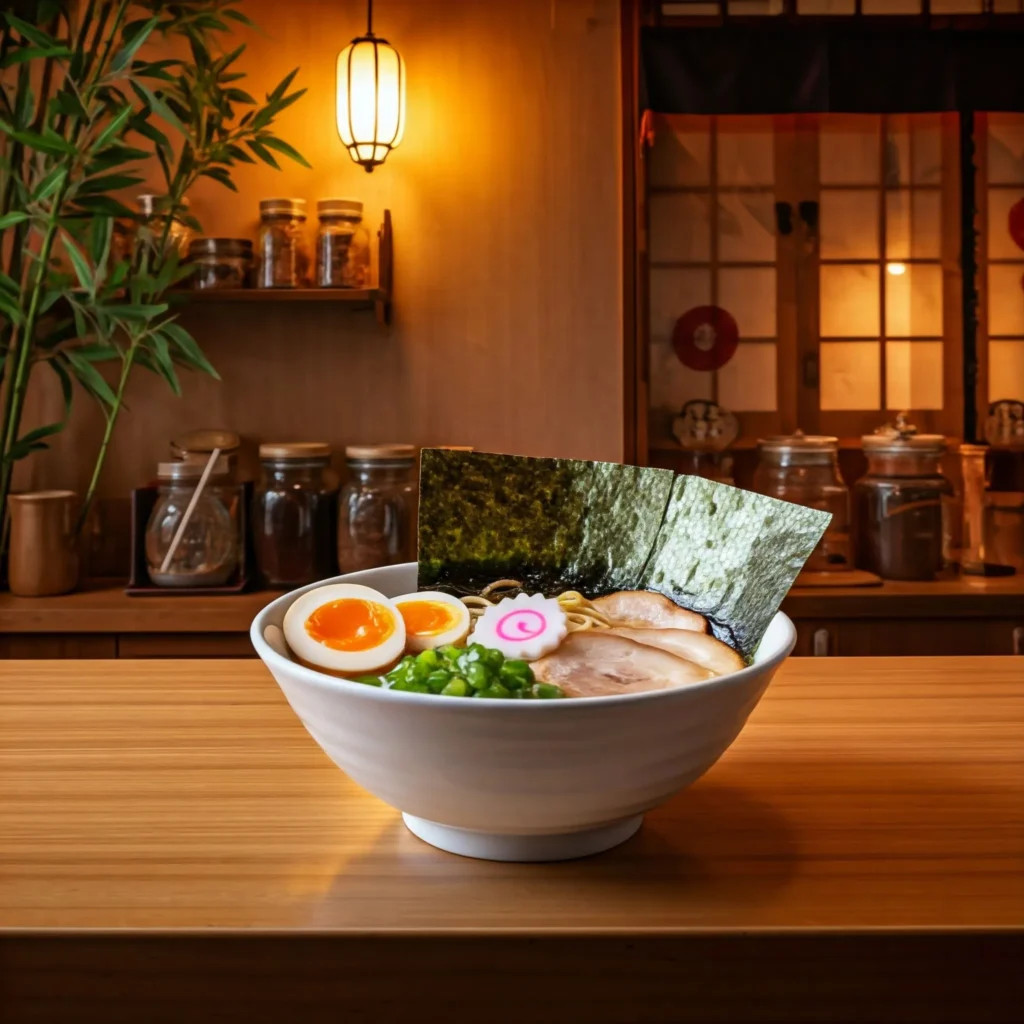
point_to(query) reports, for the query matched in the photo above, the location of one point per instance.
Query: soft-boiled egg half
(345, 629)
(432, 619)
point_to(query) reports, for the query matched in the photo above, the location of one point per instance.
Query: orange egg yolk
(427, 618)
(351, 624)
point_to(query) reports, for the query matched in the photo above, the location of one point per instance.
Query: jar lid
(191, 471)
(340, 208)
(278, 205)
(203, 442)
(295, 450)
(799, 441)
(239, 247)
(903, 437)
(379, 452)
(150, 203)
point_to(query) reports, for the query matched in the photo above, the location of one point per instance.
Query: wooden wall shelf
(377, 299)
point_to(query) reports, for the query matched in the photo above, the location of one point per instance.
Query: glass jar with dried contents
(153, 212)
(903, 505)
(220, 263)
(207, 553)
(295, 512)
(377, 520)
(804, 469)
(282, 256)
(342, 245)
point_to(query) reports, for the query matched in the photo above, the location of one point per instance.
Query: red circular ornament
(705, 338)
(1016, 223)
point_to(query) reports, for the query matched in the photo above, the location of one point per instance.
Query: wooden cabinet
(855, 638)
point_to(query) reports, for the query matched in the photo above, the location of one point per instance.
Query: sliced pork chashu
(598, 663)
(700, 648)
(647, 610)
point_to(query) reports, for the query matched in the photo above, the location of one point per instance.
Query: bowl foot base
(495, 846)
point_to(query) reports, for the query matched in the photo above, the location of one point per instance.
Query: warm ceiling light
(896, 269)
(371, 97)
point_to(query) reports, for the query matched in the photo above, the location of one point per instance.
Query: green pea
(518, 671)
(370, 680)
(546, 691)
(477, 676)
(493, 659)
(438, 680)
(495, 692)
(430, 658)
(456, 688)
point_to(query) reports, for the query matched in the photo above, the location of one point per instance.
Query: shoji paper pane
(913, 225)
(1008, 6)
(680, 227)
(849, 224)
(756, 7)
(1005, 299)
(913, 150)
(913, 375)
(746, 151)
(680, 152)
(850, 301)
(746, 227)
(673, 292)
(1005, 370)
(826, 6)
(892, 7)
(958, 6)
(747, 383)
(1006, 149)
(851, 375)
(749, 295)
(1000, 244)
(848, 150)
(913, 302)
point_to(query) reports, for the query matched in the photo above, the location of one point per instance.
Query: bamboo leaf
(80, 263)
(283, 147)
(140, 311)
(156, 104)
(12, 218)
(50, 183)
(108, 183)
(239, 96)
(124, 56)
(47, 143)
(26, 53)
(106, 205)
(10, 309)
(89, 377)
(289, 100)
(189, 348)
(237, 16)
(263, 153)
(161, 353)
(220, 174)
(282, 86)
(114, 126)
(101, 231)
(31, 32)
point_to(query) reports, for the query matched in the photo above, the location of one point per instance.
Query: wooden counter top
(866, 830)
(103, 607)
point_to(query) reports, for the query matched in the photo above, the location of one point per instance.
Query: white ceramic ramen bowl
(517, 780)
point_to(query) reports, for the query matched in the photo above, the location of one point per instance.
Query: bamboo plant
(86, 112)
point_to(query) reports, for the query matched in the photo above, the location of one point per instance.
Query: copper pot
(43, 552)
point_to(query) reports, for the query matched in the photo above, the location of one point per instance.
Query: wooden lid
(374, 452)
(204, 441)
(295, 450)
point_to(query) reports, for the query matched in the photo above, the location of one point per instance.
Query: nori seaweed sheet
(555, 524)
(731, 555)
(598, 527)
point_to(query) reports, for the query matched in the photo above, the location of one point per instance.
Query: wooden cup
(43, 553)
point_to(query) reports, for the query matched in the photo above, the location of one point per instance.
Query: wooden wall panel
(506, 202)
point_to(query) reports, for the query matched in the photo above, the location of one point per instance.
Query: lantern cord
(369, 17)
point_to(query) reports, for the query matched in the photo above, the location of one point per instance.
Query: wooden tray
(845, 578)
(139, 583)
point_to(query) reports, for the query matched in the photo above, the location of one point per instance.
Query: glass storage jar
(804, 469)
(153, 211)
(282, 258)
(207, 554)
(295, 512)
(903, 505)
(377, 520)
(342, 245)
(220, 262)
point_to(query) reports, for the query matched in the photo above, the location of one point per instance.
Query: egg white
(319, 655)
(454, 635)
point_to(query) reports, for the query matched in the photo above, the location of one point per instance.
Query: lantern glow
(371, 97)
